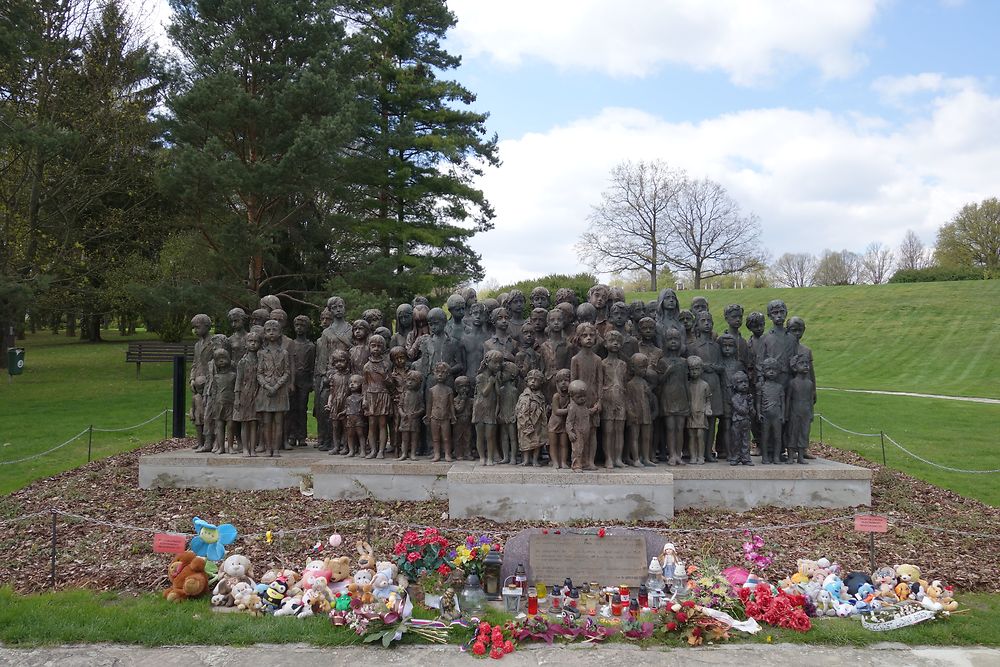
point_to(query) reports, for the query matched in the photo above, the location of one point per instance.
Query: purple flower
(484, 539)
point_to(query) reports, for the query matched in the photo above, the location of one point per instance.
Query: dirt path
(970, 399)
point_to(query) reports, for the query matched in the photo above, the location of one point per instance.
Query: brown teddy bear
(187, 577)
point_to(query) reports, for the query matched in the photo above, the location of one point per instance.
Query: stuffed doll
(381, 586)
(341, 605)
(290, 606)
(884, 581)
(361, 587)
(824, 604)
(934, 598)
(317, 599)
(187, 577)
(235, 569)
(314, 569)
(275, 595)
(366, 556)
(910, 575)
(291, 580)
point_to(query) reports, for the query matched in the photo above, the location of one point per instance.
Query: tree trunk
(697, 278)
(71, 325)
(91, 328)
(7, 338)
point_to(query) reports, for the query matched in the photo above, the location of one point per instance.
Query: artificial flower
(210, 541)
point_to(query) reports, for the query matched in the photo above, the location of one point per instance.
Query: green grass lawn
(79, 616)
(67, 386)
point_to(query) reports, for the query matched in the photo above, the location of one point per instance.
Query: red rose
(508, 646)
(496, 652)
(479, 648)
(688, 603)
(444, 570)
(671, 626)
(681, 617)
(484, 628)
(600, 532)
(696, 631)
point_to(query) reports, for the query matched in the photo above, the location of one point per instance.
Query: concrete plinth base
(509, 493)
(505, 493)
(822, 483)
(350, 479)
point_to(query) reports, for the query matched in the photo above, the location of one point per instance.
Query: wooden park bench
(153, 350)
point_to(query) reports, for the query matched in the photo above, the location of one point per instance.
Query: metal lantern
(492, 583)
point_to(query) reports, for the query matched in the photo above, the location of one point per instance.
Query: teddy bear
(910, 575)
(317, 599)
(235, 569)
(314, 569)
(361, 587)
(934, 598)
(824, 604)
(382, 585)
(884, 580)
(246, 599)
(187, 577)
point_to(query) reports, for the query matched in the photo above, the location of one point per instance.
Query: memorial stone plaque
(608, 560)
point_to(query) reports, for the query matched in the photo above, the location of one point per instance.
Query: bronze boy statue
(441, 411)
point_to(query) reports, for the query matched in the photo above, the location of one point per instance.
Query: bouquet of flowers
(495, 641)
(540, 629)
(470, 556)
(709, 588)
(753, 552)
(685, 619)
(782, 610)
(418, 555)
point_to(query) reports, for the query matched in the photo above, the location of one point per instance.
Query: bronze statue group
(562, 383)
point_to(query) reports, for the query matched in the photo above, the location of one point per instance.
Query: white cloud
(901, 90)
(816, 179)
(746, 39)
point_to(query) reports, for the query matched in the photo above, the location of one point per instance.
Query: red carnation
(681, 617)
(508, 646)
(496, 652)
(688, 603)
(479, 648)
(600, 532)
(671, 626)
(484, 628)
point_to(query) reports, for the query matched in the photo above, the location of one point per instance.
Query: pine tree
(411, 206)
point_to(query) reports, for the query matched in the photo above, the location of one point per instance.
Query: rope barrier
(130, 428)
(845, 430)
(47, 451)
(89, 429)
(938, 465)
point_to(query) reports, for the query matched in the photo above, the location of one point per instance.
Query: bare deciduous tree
(628, 228)
(794, 269)
(837, 268)
(912, 253)
(709, 235)
(876, 263)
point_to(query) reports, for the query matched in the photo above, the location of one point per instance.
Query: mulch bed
(113, 558)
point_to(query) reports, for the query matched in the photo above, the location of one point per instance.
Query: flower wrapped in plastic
(210, 540)
(471, 555)
(781, 609)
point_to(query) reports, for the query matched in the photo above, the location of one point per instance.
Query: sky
(836, 123)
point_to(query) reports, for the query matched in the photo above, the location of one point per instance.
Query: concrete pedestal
(506, 493)
(509, 493)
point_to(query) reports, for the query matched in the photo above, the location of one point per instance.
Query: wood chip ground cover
(108, 558)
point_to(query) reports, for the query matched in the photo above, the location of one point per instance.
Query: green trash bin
(15, 360)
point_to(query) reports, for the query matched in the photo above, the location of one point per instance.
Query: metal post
(821, 434)
(166, 424)
(180, 386)
(871, 550)
(90, 441)
(53, 550)
(368, 529)
(881, 435)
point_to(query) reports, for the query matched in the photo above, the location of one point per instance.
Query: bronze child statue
(799, 408)
(273, 376)
(378, 401)
(639, 412)
(353, 416)
(338, 379)
(222, 393)
(578, 425)
(531, 425)
(700, 397)
(739, 426)
(507, 416)
(245, 393)
(771, 408)
(587, 367)
(462, 433)
(486, 407)
(558, 439)
(303, 353)
(615, 372)
(198, 379)
(411, 410)
(441, 411)
(361, 331)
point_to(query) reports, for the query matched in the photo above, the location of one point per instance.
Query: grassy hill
(930, 338)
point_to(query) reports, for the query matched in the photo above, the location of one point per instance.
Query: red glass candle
(532, 601)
